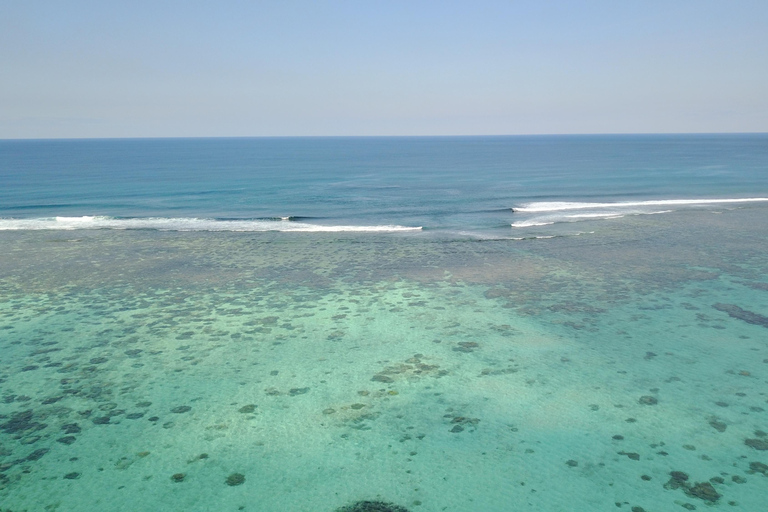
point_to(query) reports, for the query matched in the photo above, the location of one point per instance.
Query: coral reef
(372, 506)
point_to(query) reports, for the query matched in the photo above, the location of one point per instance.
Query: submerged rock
(678, 479)
(703, 491)
(735, 311)
(372, 506)
(21, 422)
(631, 455)
(37, 454)
(71, 428)
(235, 479)
(757, 444)
(466, 346)
(718, 425)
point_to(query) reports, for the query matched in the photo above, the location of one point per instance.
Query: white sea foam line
(186, 224)
(530, 223)
(611, 215)
(558, 206)
(606, 215)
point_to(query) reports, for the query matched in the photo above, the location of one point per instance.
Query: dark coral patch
(372, 506)
(466, 346)
(21, 422)
(757, 444)
(703, 491)
(758, 467)
(71, 428)
(37, 454)
(679, 479)
(235, 479)
(717, 425)
(735, 311)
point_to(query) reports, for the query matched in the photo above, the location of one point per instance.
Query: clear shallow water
(437, 370)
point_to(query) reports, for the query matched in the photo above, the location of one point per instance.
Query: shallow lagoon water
(147, 370)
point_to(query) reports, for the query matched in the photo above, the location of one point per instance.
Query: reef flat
(148, 370)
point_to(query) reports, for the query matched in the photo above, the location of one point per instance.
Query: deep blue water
(454, 184)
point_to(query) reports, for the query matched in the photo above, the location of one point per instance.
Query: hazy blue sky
(139, 68)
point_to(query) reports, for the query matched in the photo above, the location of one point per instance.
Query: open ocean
(490, 324)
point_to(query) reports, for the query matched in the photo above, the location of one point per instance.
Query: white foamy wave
(553, 218)
(188, 224)
(560, 206)
(530, 223)
(607, 215)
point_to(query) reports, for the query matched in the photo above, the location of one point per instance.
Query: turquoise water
(205, 358)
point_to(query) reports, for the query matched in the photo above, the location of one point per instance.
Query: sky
(306, 68)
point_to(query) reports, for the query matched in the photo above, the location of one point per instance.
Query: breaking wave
(560, 206)
(546, 213)
(284, 224)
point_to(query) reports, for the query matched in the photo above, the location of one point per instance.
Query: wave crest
(556, 206)
(189, 224)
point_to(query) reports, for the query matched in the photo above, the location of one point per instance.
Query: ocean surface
(541, 323)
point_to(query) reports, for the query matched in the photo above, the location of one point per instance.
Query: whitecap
(554, 206)
(189, 224)
(530, 223)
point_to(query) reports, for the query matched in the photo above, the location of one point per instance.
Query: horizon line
(182, 137)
